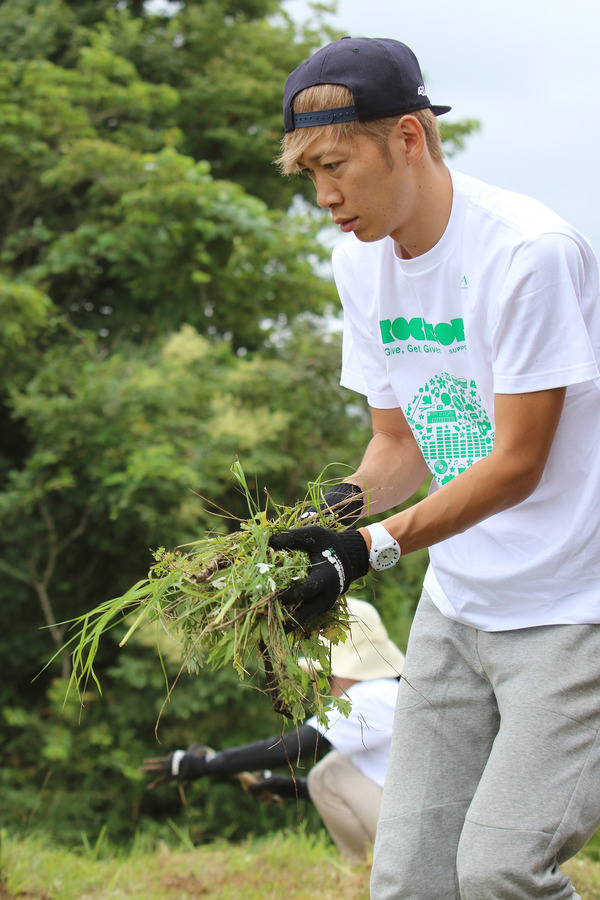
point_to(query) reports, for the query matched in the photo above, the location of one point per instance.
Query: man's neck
(435, 192)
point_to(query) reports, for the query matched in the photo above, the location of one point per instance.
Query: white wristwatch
(385, 551)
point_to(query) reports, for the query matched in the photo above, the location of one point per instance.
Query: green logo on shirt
(450, 425)
(418, 329)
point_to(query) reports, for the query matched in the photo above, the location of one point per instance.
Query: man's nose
(328, 194)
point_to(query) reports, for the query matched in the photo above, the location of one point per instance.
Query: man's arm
(393, 467)
(391, 471)
(525, 428)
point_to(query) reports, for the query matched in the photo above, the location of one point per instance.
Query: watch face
(385, 551)
(386, 557)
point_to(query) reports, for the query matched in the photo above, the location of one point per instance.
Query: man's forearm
(390, 472)
(481, 491)
(526, 426)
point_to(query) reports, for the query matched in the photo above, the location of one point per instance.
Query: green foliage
(75, 769)
(123, 448)
(135, 75)
(231, 120)
(28, 317)
(66, 768)
(142, 239)
(30, 30)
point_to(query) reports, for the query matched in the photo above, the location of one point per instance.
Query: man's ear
(408, 138)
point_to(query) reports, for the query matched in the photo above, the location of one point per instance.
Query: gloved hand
(181, 765)
(336, 560)
(344, 500)
(279, 786)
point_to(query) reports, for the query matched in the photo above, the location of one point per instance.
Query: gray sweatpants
(494, 777)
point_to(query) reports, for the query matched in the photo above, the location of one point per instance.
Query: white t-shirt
(366, 735)
(506, 302)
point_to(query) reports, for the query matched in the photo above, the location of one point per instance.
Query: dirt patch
(188, 884)
(5, 894)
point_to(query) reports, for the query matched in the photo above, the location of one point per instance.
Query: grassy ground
(293, 866)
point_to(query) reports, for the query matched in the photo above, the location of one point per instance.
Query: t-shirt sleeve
(541, 339)
(363, 367)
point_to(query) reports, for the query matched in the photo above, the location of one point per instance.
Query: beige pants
(348, 803)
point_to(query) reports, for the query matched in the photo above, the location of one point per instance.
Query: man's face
(364, 192)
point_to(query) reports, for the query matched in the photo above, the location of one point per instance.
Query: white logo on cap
(421, 91)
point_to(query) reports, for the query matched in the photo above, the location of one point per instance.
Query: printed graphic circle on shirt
(450, 425)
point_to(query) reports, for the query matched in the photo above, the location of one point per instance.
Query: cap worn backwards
(383, 75)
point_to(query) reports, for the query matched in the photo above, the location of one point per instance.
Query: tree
(127, 453)
(130, 451)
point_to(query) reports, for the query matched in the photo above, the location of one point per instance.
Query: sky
(529, 70)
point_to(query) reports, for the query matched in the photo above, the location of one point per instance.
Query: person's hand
(181, 765)
(270, 788)
(336, 560)
(344, 500)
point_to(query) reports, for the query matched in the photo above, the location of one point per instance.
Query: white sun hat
(367, 652)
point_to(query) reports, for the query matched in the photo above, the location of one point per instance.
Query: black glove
(179, 766)
(344, 500)
(336, 560)
(280, 786)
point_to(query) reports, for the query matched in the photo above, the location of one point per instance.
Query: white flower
(263, 567)
(219, 583)
(271, 584)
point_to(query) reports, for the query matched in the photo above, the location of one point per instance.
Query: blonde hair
(332, 96)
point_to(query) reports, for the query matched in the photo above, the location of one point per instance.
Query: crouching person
(348, 756)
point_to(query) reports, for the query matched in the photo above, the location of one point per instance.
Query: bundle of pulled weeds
(219, 599)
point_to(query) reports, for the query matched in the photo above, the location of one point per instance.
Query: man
(346, 784)
(472, 325)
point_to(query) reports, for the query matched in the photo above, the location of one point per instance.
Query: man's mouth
(346, 225)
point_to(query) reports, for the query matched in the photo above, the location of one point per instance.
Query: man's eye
(331, 166)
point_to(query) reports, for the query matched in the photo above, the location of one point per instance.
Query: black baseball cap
(384, 76)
